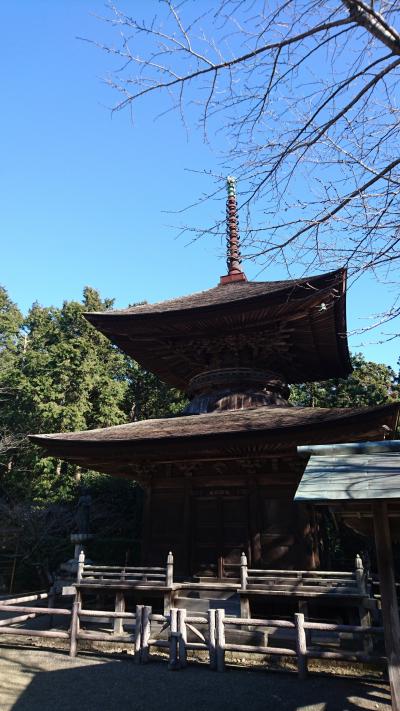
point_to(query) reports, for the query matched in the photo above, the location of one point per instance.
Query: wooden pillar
(187, 524)
(254, 522)
(306, 536)
(390, 611)
(146, 484)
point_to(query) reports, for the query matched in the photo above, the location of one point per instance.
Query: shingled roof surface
(227, 293)
(230, 422)
(266, 431)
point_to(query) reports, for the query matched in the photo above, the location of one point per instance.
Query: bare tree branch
(306, 95)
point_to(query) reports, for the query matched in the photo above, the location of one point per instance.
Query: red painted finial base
(236, 276)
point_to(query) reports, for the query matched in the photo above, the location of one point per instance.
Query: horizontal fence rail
(26, 613)
(179, 632)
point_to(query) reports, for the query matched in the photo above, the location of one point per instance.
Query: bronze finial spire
(235, 272)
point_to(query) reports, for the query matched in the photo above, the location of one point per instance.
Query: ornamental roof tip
(233, 255)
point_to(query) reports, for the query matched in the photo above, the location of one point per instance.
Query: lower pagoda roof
(258, 432)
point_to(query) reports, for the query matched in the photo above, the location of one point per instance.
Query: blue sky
(86, 195)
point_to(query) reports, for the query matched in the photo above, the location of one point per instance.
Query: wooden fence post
(360, 575)
(51, 602)
(182, 638)
(220, 567)
(301, 645)
(170, 570)
(364, 614)
(81, 563)
(211, 638)
(119, 607)
(243, 571)
(220, 639)
(173, 640)
(74, 627)
(146, 633)
(138, 632)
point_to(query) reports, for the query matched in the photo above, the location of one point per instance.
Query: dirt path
(41, 680)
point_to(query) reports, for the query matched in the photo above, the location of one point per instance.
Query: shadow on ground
(35, 683)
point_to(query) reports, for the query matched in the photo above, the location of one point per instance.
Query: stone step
(207, 594)
(209, 579)
(201, 605)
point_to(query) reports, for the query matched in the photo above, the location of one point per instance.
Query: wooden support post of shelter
(390, 610)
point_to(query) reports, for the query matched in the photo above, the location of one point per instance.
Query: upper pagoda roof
(227, 294)
(296, 328)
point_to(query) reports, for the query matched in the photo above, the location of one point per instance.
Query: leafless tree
(305, 93)
(36, 536)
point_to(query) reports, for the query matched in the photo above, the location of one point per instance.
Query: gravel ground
(45, 680)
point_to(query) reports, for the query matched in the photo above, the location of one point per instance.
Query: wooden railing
(303, 586)
(304, 581)
(133, 575)
(211, 638)
(302, 652)
(76, 632)
(210, 632)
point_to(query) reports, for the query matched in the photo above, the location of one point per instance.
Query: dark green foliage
(58, 373)
(63, 375)
(11, 321)
(369, 384)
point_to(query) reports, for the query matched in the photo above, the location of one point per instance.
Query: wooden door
(234, 533)
(220, 529)
(206, 534)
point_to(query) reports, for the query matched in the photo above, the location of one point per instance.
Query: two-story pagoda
(221, 478)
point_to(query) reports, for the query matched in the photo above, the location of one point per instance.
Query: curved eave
(341, 325)
(251, 433)
(319, 350)
(204, 304)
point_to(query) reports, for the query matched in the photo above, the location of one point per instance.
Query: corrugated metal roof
(352, 476)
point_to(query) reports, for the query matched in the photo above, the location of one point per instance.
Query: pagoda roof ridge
(224, 293)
